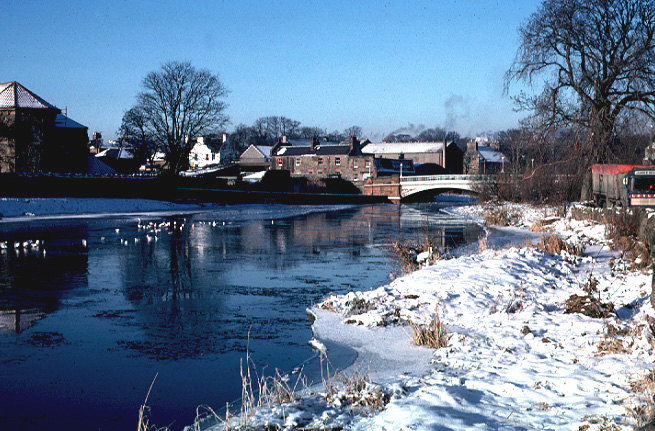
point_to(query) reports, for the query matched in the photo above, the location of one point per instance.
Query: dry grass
(358, 306)
(589, 306)
(500, 216)
(538, 226)
(614, 341)
(644, 386)
(353, 391)
(144, 422)
(553, 245)
(263, 391)
(611, 346)
(406, 254)
(257, 392)
(626, 229)
(433, 335)
(483, 244)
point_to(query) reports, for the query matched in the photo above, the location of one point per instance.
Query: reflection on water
(19, 320)
(88, 318)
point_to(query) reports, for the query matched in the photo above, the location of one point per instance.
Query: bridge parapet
(424, 183)
(446, 178)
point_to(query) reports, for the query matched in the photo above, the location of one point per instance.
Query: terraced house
(318, 161)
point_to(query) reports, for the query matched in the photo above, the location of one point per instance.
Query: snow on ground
(515, 358)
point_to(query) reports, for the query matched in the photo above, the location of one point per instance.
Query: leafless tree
(436, 134)
(311, 132)
(595, 60)
(180, 103)
(351, 131)
(135, 132)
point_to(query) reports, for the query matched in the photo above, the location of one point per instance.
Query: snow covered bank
(517, 357)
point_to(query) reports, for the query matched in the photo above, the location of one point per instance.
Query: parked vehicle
(623, 185)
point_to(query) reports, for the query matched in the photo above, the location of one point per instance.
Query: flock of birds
(153, 230)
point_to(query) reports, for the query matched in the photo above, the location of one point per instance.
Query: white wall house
(206, 152)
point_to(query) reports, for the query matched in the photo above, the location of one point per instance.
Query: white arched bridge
(439, 183)
(408, 188)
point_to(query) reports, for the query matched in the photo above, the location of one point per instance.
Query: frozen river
(90, 314)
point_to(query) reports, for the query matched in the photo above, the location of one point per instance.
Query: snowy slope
(515, 358)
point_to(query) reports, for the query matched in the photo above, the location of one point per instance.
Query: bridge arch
(413, 188)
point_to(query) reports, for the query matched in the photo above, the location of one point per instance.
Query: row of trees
(179, 103)
(268, 130)
(592, 62)
(436, 134)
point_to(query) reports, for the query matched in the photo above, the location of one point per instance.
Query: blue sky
(382, 65)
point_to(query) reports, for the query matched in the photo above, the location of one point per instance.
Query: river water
(96, 309)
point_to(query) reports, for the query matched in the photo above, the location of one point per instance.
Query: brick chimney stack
(354, 145)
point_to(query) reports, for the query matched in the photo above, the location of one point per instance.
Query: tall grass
(144, 422)
(433, 335)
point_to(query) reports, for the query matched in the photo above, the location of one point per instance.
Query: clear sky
(382, 65)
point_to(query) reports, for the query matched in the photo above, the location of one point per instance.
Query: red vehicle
(623, 185)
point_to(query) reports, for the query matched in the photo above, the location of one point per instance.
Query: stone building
(446, 155)
(36, 137)
(484, 158)
(316, 161)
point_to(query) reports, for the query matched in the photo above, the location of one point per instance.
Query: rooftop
(13, 95)
(402, 147)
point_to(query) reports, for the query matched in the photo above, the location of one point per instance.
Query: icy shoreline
(515, 359)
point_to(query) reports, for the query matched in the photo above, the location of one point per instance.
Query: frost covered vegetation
(551, 330)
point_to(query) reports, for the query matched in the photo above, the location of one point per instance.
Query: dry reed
(433, 335)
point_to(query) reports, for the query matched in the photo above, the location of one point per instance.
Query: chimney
(314, 143)
(284, 139)
(224, 137)
(354, 145)
(445, 144)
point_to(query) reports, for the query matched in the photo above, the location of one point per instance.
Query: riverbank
(533, 341)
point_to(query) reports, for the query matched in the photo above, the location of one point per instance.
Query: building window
(297, 161)
(279, 161)
(319, 172)
(320, 160)
(337, 161)
(207, 157)
(355, 176)
(310, 172)
(368, 164)
(355, 164)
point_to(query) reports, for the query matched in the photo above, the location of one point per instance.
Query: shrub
(627, 230)
(589, 306)
(353, 391)
(553, 244)
(500, 217)
(433, 335)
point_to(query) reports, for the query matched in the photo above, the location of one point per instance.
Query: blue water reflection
(101, 305)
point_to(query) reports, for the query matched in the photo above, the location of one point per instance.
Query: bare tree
(436, 134)
(180, 103)
(289, 127)
(135, 131)
(351, 131)
(311, 132)
(595, 60)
